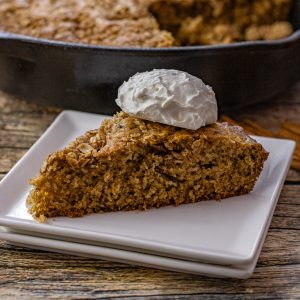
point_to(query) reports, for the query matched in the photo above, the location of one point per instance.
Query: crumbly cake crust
(129, 163)
(147, 23)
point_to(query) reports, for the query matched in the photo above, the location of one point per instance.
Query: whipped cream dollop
(170, 97)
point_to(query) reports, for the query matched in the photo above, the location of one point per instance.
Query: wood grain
(31, 274)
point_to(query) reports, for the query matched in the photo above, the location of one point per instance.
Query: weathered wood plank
(287, 223)
(38, 273)
(271, 114)
(20, 122)
(11, 105)
(293, 176)
(281, 248)
(8, 158)
(15, 139)
(290, 194)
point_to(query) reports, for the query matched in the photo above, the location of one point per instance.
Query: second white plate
(128, 257)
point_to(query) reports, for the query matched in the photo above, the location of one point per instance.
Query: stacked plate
(220, 239)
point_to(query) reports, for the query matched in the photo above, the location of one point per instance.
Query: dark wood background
(26, 273)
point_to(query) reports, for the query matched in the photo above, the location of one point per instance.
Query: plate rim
(46, 244)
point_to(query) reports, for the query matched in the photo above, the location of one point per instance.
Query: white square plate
(227, 232)
(128, 257)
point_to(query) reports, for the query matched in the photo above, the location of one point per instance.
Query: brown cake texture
(133, 164)
(147, 23)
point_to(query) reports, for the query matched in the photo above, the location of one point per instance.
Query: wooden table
(31, 273)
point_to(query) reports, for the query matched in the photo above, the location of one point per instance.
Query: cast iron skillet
(87, 77)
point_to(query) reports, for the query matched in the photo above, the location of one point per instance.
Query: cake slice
(130, 163)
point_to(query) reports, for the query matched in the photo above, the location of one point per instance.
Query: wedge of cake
(131, 163)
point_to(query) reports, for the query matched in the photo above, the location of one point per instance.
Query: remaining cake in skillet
(133, 163)
(147, 23)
